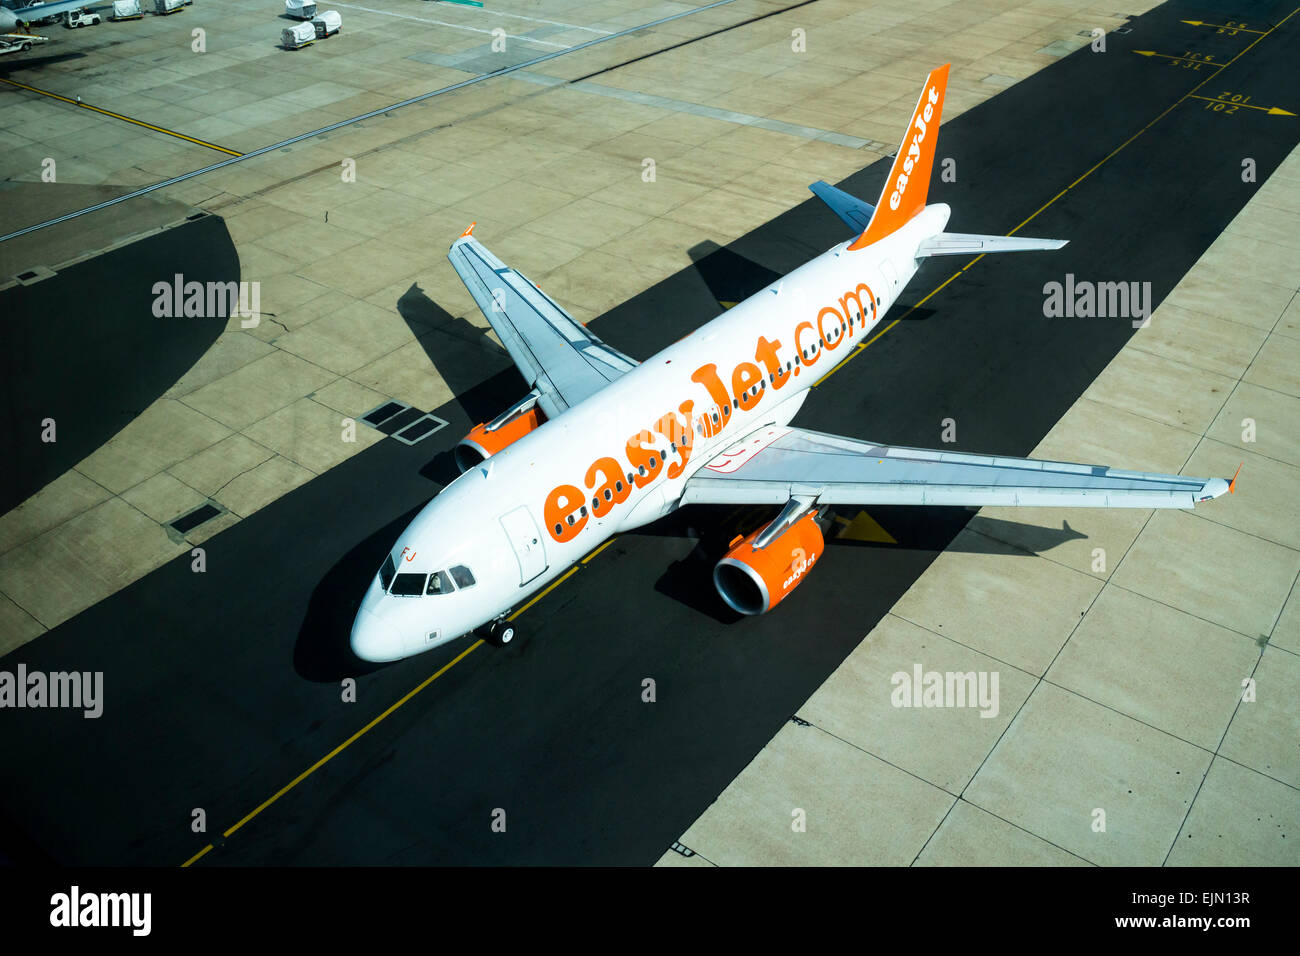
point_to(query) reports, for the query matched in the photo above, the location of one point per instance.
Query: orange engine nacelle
(754, 582)
(481, 444)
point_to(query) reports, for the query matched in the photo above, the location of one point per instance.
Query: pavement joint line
(812, 133)
(128, 119)
(705, 36)
(444, 23)
(554, 23)
(1215, 756)
(310, 134)
(957, 797)
(370, 725)
(1182, 99)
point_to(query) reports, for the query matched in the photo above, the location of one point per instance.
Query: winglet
(1232, 485)
(470, 230)
(903, 195)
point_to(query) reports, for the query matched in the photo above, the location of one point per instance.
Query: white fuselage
(618, 460)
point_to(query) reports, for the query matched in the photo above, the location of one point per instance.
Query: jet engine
(486, 439)
(761, 569)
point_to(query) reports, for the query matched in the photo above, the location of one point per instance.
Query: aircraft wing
(774, 464)
(555, 354)
(38, 11)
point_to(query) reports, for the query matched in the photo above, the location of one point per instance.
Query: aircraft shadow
(730, 277)
(323, 653)
(478, 372)
(713, 527)
(32, 62)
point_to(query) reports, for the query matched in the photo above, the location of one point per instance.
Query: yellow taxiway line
(119, 116)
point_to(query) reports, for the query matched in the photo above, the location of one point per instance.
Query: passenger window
(618, 486)
(609, 495)
(462, 576)
(439, 583)
(407, 585)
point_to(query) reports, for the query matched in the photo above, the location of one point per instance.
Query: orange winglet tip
(1232, 485)
(470, 230)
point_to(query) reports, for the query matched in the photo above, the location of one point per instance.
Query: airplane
(601, 444)
(19, 18)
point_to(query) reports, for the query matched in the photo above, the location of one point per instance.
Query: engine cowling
(755, 581)
(481, 443)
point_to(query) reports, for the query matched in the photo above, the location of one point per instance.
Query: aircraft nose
(374, 640)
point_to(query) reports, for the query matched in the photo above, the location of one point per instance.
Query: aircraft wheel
(501, 633)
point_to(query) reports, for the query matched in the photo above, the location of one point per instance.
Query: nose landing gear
(499, 633)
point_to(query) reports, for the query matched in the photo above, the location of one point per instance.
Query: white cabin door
(526, 539)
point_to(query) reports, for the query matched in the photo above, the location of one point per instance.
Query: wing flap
(845, 471)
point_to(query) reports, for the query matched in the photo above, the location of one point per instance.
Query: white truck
(79, 18)
(126, 10)
(300, 9)
(327, 24)
(297, 36)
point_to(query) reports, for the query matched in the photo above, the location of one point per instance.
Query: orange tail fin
(909, 178)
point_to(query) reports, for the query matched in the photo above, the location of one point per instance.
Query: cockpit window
(386, 572)
(462, 576)
(407, 585)
(439, 583)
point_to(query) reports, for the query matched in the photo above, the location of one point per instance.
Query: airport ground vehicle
(21, 41)
(327, 23)
(166, 7)
(126, 10)
(300, 9)
(80, 18)
(297, 36)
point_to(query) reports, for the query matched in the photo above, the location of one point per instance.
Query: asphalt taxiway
(223, 688)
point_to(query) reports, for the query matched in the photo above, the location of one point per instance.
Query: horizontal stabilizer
(968, 244)
(853, 212)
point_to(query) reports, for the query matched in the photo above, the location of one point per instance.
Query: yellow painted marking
(1220, 68)
(347, 743)
(551, 587)
(197, 856)
(1271, 110)
(728, 305)
(119, 116)
(1226, 26)
(864, 528)
(600, 549)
